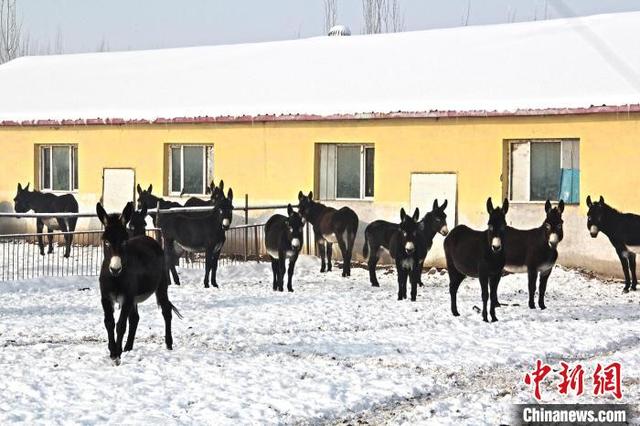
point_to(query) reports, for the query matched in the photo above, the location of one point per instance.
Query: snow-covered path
(335, 349)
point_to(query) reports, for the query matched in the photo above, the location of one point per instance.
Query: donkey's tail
(365, 247)
(175, 310)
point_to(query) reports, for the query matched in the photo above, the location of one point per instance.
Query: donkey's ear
(221, 185)
(290, 210)
(150, 189)
(435, 204)
(547, 206)
(26, 188)
(300, 195)
(125, 217)
(19, 187)
(230, 194)
(561, 206)
(403, 214)
(102, 215)
(139, 189)
(601, 199)
(505, 206)
(416, 214)
(310, 195)
(444, 205)
(589, 203)
(489, 206)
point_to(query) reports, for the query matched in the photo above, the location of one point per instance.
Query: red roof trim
(621, 109)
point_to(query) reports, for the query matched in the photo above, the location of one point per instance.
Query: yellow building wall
(273, 161)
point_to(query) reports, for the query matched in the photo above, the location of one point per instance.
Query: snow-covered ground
(334, 350)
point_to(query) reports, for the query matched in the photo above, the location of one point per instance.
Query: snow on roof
(565, 63)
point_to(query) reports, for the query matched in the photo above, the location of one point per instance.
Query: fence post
(255, 239)
(246, 222)
(308, 238)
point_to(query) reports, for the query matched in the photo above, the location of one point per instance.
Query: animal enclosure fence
(20, 256)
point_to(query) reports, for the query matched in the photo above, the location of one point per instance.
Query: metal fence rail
(20, 256)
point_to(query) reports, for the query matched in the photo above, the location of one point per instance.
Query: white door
(117, 188)
(426, 187)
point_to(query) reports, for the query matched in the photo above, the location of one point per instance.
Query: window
(58, 167)
(544, 169)
(190, 169)
(345, 171)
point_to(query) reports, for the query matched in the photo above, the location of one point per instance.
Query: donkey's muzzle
(115, 266)
(226, 223)
(409, 247)
(593, 231)
(444, 230)
(295, 243)
(496, 244)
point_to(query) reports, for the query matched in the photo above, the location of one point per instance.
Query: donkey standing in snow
(330, 226)
(478, 254)
(377, 235)
(132, 270)
(535, 251)
(44, 202)
(283, 237)
(623, 230)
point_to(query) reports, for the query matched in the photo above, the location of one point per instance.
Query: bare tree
(330, 14)
(58, 48)
(103, 46)
(382, 16)
(465, 21)
(10, 31)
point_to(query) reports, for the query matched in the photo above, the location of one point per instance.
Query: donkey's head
(596, 215)
(146, 198)
(224, 206)
(138, 223)
(295, 228)
(216, 192)
(497, 224)
(22, 200)
(409, 229)
(435, 220)
(304, 203)
(553, 223)
(115, 237)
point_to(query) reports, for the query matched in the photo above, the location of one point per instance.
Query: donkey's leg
(544, 277)
(625, 268)
(163, 301)
(371, 264)
(169, 259)
(67, 237)
(420, 269)
(109, 324)
(329, 247)
(292, 265)
(455, 278)
(484, 287)
(121, 325)
(346, 259)
(39, 230)
(133, 327)
(50, 238)
(493, 284)
(281, 271)
(214, 268)
(414, 278)
(322, 245)
(208, 264)
(402, 281)
(632, 269)
(274, 269)
(532, 277)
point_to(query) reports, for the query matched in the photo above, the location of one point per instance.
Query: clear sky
(135, 24)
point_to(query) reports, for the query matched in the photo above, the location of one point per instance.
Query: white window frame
(206, 178)
(363, 165)
(512, 142)
(73, 166)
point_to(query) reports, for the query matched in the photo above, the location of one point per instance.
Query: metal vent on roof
(339, 30)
